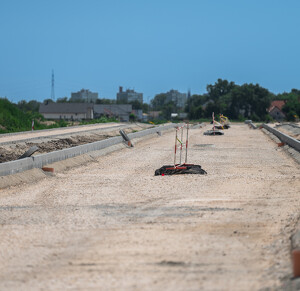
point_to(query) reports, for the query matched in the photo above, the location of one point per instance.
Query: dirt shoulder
(112, 224)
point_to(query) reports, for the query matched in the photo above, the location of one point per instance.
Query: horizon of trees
(238, 102)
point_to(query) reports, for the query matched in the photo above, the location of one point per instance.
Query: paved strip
(113, 225)
(26, 136)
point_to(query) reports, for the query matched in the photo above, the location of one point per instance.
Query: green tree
(220, 88)
(31, 106)
(248, 101)
(47, 101)
(158, 101)
(196, 112)
(145, 107)
(62, 100)
(168, 109)
(292, 108)
(136, 105)
(132, 117)
(210, 108)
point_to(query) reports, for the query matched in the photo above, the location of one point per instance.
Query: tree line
(238, 102)
(19, 117)
(247, 101)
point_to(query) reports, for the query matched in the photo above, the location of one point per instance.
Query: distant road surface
(63, 130)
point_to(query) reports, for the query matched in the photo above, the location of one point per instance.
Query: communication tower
(52, 87)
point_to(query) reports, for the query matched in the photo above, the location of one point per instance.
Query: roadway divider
(292, 142)
(39, 161)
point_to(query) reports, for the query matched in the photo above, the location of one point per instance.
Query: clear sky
(151, 46)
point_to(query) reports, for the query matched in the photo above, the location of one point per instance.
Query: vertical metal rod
(175, 147)
(181, 144)
(213, 116)
(187, 141)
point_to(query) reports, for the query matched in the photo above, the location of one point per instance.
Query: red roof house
(275, 110)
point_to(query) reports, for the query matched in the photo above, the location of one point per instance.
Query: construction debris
(213, 132)
(225, 123)
(222, 126)
(251, 125)
(126, 138)
(47, 169)
(28, 153)
(180, 168)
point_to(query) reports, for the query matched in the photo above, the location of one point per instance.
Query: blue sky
(150, 46)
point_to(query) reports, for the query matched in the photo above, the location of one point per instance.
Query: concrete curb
(196, 126)
(39, 161)
(295, 240)
(251, 125)
(283, 137)
(289, 150)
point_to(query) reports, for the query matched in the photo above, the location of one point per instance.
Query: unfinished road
(113, 225)
(26, 135)
(12, 146)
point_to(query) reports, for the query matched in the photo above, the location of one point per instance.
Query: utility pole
(52, 87)
(189, 102)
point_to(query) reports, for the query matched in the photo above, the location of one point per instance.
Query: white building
(67, 111)
(178, 98)
(128, 96)
(84, 95)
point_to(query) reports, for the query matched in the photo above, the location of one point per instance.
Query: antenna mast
(52, 87)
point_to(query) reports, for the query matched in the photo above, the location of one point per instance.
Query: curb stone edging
(283, 137)
(39, 161)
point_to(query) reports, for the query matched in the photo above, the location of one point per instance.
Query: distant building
(275, 110)
(120, 111)
(67, 111)
(79, 111)
(128, 96)
(138, 113)
(178, 98)
(182, 115)
(154, 114)
(84, 96)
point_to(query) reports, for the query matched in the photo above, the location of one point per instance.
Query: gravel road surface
(59, 131)
(113, 225)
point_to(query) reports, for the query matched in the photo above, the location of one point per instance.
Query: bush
(132, 117)
(269, 118)
(254, 117)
